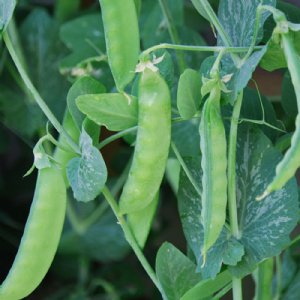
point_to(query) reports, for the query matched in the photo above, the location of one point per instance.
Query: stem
(278, 278)
(117, 136)
(263, 280)
(198, 48)
(232, 201)
(36, 95)
(185, 168)
(237, 288)
(173, 33)
(130, 238)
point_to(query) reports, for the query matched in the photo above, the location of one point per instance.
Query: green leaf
(140, 222)
(87, 174)
(103, 241)
(274, 57)
(189, 203)
(82, 86)
(175, 272)
(264, 225)
(186, 137)
(20, 116)
(189, 93)
(199, 6)
(289, 269)
(6, 12)
(288, 96)
(110, 110)
(238, 18)
(43, 51)
(242, 75)
(206, 288)
(294, 289)
(84, 36)
(252, 109)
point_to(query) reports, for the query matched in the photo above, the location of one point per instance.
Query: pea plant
(194, 122)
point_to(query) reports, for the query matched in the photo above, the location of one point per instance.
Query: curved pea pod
(122, 39)
(41, 236)
(287, 167)
(152, 143)
(140, 222)
(213, 164)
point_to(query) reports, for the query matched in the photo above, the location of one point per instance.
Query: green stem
(116, 136)
(173, 33)
(232, 200)
(185, 168)
(130, 238)
(198, 48)
(263, 280)
(36, 95)
(278, 278)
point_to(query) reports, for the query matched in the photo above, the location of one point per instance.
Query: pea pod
(214, 164)
(122, 39)
(152, 143)
(41, 236)
(287, 167)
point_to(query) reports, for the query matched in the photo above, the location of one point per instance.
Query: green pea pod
(152, 143)
(287, 167)
(214, 164)
(41, 236)
(140, 222)
(122, 39)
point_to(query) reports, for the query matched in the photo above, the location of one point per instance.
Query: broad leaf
(293, 290)
(238, 18)
(87, 174)
(264, 225)
(253, 107)
(84, 36)
(186, 137)
(42, 49)
(84, 85)
(6, 11)
(189, 93)
(274, 57)
(206, 288)
(200, 8)
(175, 272)
(114, 111)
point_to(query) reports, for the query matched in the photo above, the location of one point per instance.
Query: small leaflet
(87, 174)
